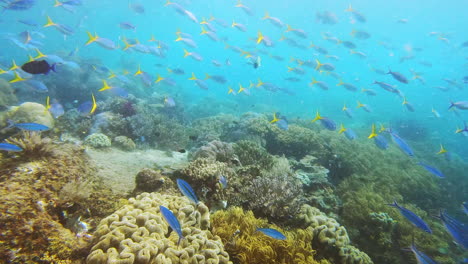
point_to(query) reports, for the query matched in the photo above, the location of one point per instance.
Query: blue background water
(448, 59)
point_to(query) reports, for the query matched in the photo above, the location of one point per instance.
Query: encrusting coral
(237, 229)
(217, 150)
(138, 233)
(98, 140)
(330, 238)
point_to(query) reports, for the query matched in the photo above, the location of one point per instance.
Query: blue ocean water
(389, 42)
(422, 40)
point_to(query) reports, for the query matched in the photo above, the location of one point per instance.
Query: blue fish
(272, 233)
(187, 190)
(457, 229)
(18, 5)
(421, 257)
(282, 124)
(412, 217)
(85, 107)
(432, 169)
(381, 142)
(10, 147)
(28, 22)
(325, 121)
(28, 126)
(223, 181)
(171, 219)
(350, 134)
(401, 144)
(465, 207)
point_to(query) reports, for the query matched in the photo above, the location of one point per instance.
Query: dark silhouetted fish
(38, 67)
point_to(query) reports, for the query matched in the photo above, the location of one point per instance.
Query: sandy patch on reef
(118, 168)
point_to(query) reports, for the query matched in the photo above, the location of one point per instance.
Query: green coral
(7, 96)
(250, 153)
(124, 143)
(98, 140)
(138, 233)
(295, 142)
(331, 238)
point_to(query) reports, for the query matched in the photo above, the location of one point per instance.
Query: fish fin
(11, 123)
(259, 37)
(49, 22)
(342, 129)
(54, 67)
(372, 134)
(317, 117)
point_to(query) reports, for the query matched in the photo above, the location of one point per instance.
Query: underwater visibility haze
(234, 131)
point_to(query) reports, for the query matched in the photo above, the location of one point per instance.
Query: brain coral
(137, 233)
(331, 238)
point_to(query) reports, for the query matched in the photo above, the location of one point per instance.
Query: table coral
(137, 233)
(330, 238)
(237, 231)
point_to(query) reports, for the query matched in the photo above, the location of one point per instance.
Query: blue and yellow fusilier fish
(187, 190)
(325, 121)
(171, 219)
(273, 233)
(412, 217)
(28, 126)
(10, 147)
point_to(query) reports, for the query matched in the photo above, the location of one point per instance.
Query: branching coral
(34, 146)
(237, 231)
(276, 194)
(75, 191)
(250, 153)
(137, 233)
(28, 212)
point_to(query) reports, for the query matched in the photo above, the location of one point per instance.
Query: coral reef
(34, 146)
(276, 194)
(137, 233)
(148, 180)
(203, 174)
(30, 112)
(246, 246)
(30, 216)
(124, 143)
(330, 238)
(218, 151)
(250, 153)
(296, 142)
(314, 177)
(7, 97)
(98, 140)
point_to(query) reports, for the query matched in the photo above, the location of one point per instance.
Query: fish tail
(451, 105)
(11, 123)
